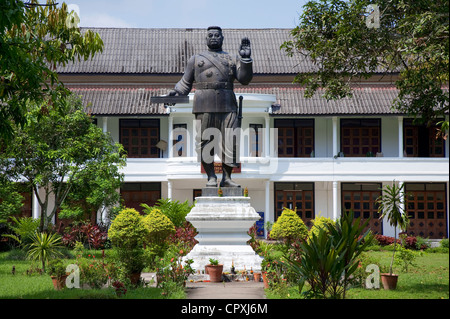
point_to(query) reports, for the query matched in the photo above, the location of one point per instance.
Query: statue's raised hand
(245, 50)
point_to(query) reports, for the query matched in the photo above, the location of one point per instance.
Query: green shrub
(405, 258)
(289, 227)
(329, 259)
(158, 226)
(24, 229)
(127, 229)
(320, 222)
(444, 243)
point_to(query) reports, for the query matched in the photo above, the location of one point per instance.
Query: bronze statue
(215, 105)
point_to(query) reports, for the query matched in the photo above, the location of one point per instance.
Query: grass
(37, 286)
(429, 279)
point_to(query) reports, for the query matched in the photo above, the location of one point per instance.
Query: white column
(400, 136)
(267, 216)
(105, 124)
(35, 207)
(335, 136)
(267, 137)
(101, 214)
(169, 189)
(170, 142)
(335, 200)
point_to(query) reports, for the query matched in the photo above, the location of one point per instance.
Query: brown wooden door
(134, 199)
(427, 213)
(292, 196)
(361, 199)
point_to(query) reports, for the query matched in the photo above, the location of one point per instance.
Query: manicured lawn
(36, 286)
(428, 280)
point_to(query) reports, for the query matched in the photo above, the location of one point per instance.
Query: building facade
(316, 156)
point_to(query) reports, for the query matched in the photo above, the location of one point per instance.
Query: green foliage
(34, 39)
(320, 222)
(93, 271)
(213, 262)
(44, 247)
(175, 210)
(391, 205)
(61, 154)
(411, 39)
(405, 258)
(289, 226)
(56, 268)
(172, 273)
(329, 259)
(129, 260)
(159, 226)
(11, 200)
(127, 230)
(24, 229)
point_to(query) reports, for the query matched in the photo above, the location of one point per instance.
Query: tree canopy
(349, 41)
(34, 39)
(64, 157)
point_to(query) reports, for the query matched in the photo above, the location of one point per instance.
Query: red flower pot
(215, 272)
(389, 281)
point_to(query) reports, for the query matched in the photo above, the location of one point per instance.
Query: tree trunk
(393, 253)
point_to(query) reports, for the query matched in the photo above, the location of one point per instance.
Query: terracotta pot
(215, 273)
(257, 276)
(389, 281)
(265, 280)
(59, 282)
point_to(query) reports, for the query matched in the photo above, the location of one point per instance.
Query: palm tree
(391, 204)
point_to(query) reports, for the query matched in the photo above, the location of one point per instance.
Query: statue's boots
(226, 177)
(212, 178)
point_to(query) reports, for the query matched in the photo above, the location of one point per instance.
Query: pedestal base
(222, 224)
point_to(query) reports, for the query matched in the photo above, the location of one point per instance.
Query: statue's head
(214, 38)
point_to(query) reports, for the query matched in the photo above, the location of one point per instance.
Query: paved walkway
(225, 290)
(218, 290)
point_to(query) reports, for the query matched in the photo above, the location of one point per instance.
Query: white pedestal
(222, 224)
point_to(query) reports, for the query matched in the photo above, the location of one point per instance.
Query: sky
(252, 14)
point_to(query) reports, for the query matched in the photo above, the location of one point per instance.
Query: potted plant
(392, 206)
(214, 270)
(57, 272)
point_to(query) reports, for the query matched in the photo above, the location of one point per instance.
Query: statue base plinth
(222, 224)
(226, 191)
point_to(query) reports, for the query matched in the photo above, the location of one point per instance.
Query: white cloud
(103, 20)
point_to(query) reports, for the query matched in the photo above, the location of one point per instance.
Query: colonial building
(316, 156)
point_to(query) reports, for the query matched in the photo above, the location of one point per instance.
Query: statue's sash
(222, 68)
